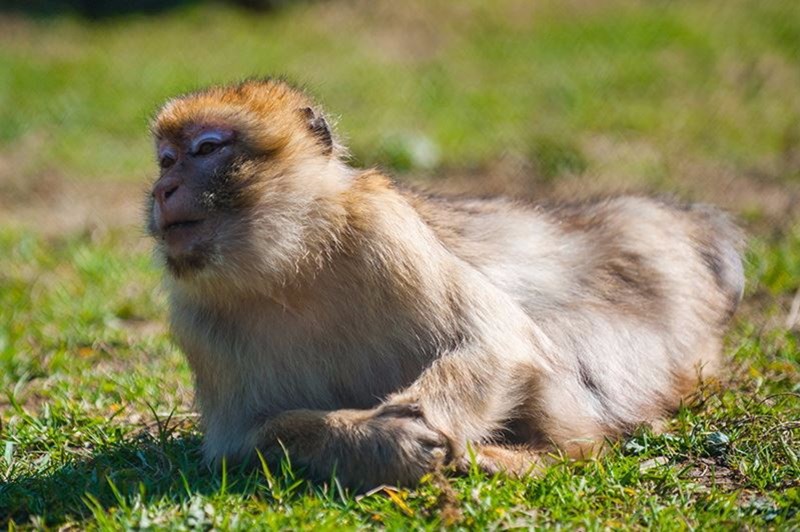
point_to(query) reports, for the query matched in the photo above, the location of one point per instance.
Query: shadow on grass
(101, 9)
(91, 9)
(143, 469)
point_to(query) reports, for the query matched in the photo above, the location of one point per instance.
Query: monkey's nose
(164, 189)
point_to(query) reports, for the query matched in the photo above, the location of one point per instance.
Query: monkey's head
(247, 173)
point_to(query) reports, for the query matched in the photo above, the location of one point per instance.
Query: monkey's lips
(181, 236)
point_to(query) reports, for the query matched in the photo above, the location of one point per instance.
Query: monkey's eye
(165, 161)
(206, 147)
(210, 140)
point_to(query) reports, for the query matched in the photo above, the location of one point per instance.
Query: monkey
(374, 332)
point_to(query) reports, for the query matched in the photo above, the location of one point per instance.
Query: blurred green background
(569, 87)
(541, 99)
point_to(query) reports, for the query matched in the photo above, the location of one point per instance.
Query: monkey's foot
(494, 459)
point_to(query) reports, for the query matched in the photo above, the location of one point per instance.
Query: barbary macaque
(374, 332)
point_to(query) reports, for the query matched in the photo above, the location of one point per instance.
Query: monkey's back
(628, 254)
(631, 289)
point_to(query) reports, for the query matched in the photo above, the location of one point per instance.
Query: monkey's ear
(319, 127)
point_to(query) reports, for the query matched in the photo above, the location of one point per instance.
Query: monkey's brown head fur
(247, 177)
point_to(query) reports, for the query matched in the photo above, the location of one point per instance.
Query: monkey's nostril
(163, 191)
(170, 191)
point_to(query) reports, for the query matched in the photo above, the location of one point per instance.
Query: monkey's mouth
(181, 236)
(186, 224)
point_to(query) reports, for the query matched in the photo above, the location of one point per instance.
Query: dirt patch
(700, 474)
(51, 205)
(48, 202)
(707, 474)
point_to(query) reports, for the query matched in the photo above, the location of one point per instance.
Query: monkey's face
(242, 174)
(193, 192)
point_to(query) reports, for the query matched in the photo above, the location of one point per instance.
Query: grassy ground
(695, 99)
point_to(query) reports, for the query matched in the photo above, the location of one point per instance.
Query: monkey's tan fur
(374, 331)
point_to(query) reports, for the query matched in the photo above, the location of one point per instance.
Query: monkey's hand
(391, 444)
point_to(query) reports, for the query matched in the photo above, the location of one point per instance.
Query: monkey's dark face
(191, 193)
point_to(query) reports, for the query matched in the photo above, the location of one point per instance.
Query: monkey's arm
(463, 397)
(427, 425)
(471, 394)
(362, 448)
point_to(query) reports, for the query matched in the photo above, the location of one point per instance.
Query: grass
(697, 99)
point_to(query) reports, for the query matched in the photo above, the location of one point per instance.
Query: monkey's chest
(262, 371)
